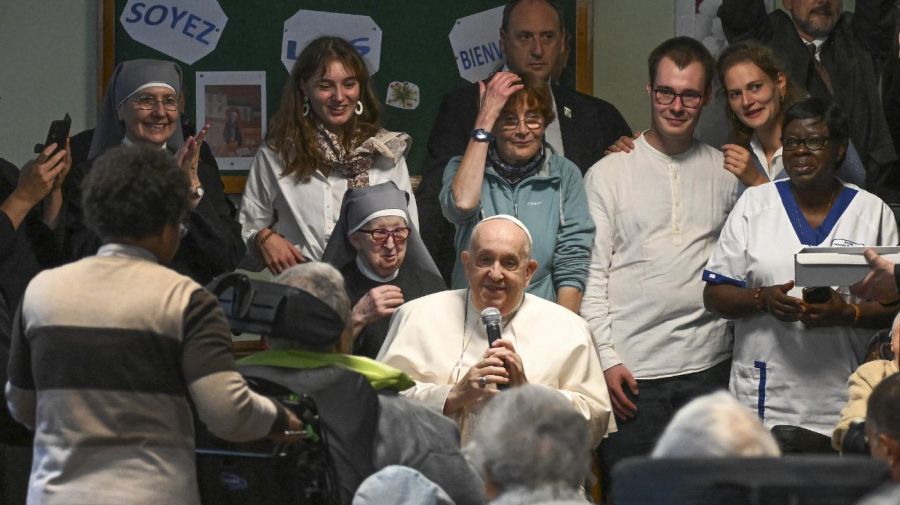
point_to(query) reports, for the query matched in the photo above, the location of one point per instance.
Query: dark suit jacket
(591, 126)
(854, 57)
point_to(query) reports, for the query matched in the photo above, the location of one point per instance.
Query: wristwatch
(482, 135)
(197, 193)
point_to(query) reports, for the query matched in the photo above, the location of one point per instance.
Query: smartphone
(820, 294)
(58, 133)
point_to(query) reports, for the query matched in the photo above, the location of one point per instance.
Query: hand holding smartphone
(818, 294)
(58, 133)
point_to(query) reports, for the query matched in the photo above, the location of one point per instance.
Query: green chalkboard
(415, 48)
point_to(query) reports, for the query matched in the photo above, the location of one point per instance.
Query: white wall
(625, 31)
(48, 66)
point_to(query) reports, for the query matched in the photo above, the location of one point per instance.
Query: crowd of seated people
(612, 294)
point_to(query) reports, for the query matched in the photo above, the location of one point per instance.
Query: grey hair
(715, 425)
(322, 281)
(548, 449)
(894, 324)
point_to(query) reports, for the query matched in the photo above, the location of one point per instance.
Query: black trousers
(657, 401)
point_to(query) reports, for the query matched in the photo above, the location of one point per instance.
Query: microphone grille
(490, 315)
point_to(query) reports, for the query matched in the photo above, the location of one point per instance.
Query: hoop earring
(305, 110)
(359, 108)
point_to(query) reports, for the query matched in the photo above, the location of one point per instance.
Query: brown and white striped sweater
(105, 352)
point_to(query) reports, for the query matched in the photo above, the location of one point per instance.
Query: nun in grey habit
(143, 105)
(414, 272)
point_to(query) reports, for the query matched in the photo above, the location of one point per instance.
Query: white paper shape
(402, 95)
(475, 41)
(234, 106)
(306, 25)
(186, 30)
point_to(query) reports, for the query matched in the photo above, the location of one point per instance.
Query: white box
(836, 266)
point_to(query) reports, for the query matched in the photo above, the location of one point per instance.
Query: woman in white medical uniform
(792, 358)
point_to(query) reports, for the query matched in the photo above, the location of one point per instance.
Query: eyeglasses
(813, 143)
(664, 96)
(510, 123)
(147, 102)
(381, 235)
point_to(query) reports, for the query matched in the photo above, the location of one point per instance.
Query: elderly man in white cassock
(442, 340)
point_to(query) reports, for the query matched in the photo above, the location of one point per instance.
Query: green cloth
(379, 375)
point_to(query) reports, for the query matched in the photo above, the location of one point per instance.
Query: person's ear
(530, 268)
(840, 153)
(464, 256)
(648, 88)
(781, 83)
(707, 96)
(890, 447)
(503, 41)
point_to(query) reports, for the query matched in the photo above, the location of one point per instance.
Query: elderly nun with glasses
(383, 260)
(507, 168)
(142, 106)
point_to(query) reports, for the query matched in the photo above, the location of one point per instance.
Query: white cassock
(437, 338)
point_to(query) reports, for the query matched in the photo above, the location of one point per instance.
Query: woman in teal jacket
(507, 169)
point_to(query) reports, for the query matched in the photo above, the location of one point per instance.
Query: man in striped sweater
(108, 352)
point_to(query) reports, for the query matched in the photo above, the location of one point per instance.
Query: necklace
(801, 218)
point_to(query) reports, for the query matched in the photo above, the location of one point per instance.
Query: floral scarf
(355, 164)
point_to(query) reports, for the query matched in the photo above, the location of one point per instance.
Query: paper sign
(304, 26)
(475, 41)
(186, 30)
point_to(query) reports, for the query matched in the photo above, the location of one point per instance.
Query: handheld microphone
(491, 319)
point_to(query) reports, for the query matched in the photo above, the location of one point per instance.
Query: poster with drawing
(233, 104)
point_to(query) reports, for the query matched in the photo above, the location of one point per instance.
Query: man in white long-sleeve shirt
(107, 352)
(658, 211)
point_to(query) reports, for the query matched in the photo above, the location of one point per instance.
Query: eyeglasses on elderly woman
(510, 122)
(381, 235)
(148, 102)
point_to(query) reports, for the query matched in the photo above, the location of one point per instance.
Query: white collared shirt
(776, 169)
(306, 212)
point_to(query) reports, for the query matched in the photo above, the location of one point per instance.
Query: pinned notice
(186, 30)
(475, 41)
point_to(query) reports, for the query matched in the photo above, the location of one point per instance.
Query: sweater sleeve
(224, 401)
(595, 304)
(448, 205)
(213, 244)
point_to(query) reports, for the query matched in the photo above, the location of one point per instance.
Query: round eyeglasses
(381, 235)
(510, 123)
(147, 102)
